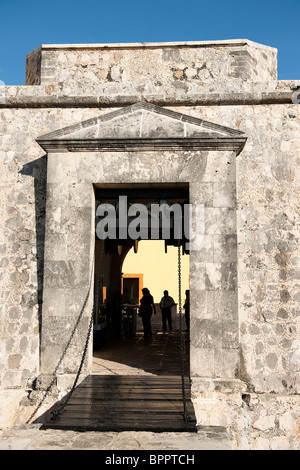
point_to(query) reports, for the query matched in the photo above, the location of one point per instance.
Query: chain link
(182, 354)
(54, 375)
(55, 413)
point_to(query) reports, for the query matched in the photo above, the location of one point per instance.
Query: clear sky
(26, 24)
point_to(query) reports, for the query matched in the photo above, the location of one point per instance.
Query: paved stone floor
(159, 355)
(30, 437)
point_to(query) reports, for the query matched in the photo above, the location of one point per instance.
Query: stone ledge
(23, 99)
(212, 432)
(129, 145)
(145, 45)
(32, 437)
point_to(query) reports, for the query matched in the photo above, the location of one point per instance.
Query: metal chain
(185, 415)
(55, 413)
(54, 375)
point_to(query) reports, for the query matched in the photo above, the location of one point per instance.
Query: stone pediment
(142, 126)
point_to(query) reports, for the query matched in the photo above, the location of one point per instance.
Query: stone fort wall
(232, 85)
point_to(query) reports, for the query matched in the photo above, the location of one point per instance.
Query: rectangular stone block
(201, 362)
(225, 248)
(209, 333)
(224, 194)
(227, 363)
(219, 221)
(57, 333)
(230, 338)
(220, 169)
(61, 302)
(214, 304)
(67, 274)
(56, 247)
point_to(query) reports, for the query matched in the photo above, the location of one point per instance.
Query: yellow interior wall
(160, 269)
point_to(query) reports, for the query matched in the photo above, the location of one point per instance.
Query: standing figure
(166, 304)
(187, 309)
(145, 311)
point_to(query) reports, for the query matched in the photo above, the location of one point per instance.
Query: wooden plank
(131, 378)
(137, 383)
(116, 390)
(123, 417)
(134, 406)
(106, 392)
(120, 414)
(130, 387)
(128, 394)
(86, 426)
(127, 408)
(116, 403)
(104, 412)
(133, 424)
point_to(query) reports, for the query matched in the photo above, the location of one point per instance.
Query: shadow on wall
(38, 170)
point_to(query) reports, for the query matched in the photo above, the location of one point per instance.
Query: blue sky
(25, 24)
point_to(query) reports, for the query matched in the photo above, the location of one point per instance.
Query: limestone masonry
(210, 116)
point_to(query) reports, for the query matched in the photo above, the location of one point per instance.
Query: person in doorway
(166, 304)
(145, 311)
(187, 309)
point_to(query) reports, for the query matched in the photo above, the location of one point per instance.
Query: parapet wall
(150, 68)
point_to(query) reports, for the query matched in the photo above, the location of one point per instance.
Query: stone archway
(142, 143)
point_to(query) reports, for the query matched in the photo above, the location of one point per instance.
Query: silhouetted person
(145, 311)
(187, 309)
(166, 304)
